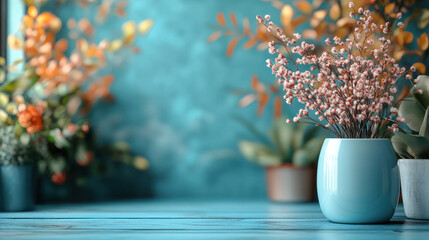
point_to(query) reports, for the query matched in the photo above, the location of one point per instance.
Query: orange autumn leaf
(91, 51)
(32, 11)
(103, 11)
(253, 40)
(120, 9)
(84, 24)
(50, 37)
(91, 67)
(304, 7)
(246, 100)
(335, 12)
(89, 31)
(229, 33)
(15, 42)
(318, 17)
(129, 30)
(423, 42)
(233, 19)
(221, 19)
(61, 45)
(278, 107)
(408, 38)
(71, 23)
(82, 45)
(420, 67)
(263, 100)
(231, 46)
(107, 80)
(214, 36)
(297, 21)
(27, 21)
(246, 27)
(135, 49)
(83, 3)
(273, 89)
(144, 26)
(389, 8)
(44, 19)
(286, 15)
(256, 85)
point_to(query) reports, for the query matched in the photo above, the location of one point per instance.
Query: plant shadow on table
(408, 222)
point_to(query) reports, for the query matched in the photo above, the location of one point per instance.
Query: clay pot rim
(291, 166)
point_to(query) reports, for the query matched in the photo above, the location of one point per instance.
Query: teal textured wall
(173, 101)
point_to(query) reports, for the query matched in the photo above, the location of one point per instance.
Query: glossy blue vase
(358, 180)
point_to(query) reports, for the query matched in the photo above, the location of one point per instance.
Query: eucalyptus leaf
(424, 129)
(259, 153)
(412, 112)
(422, 84)
(416, 146)
(401, 147)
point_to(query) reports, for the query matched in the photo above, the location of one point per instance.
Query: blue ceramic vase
(16, 188)
(358, 180)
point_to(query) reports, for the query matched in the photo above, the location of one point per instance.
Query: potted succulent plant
(413, 148)
(290, 158)
(349, 90)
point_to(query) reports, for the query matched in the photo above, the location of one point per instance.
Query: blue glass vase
(358, 180)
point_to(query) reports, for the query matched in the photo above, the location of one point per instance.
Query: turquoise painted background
(174, 102)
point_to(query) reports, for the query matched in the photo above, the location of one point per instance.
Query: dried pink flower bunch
(349, 90)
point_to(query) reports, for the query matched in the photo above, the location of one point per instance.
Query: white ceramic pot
(415, 187)
(287, 183)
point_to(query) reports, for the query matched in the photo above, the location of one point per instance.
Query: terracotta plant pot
(415, 189)
(288, 183)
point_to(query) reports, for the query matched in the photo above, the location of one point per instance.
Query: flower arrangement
(348, 90)
(326, 19)
(43, 105)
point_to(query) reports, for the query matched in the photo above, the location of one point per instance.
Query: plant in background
(414, 109)
(328, 19)
(299, 146)
(57, 86)
(348, 90)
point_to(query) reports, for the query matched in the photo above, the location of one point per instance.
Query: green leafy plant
(296, 144)
(414, 109)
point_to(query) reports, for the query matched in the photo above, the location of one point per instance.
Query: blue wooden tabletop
(192, 219)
